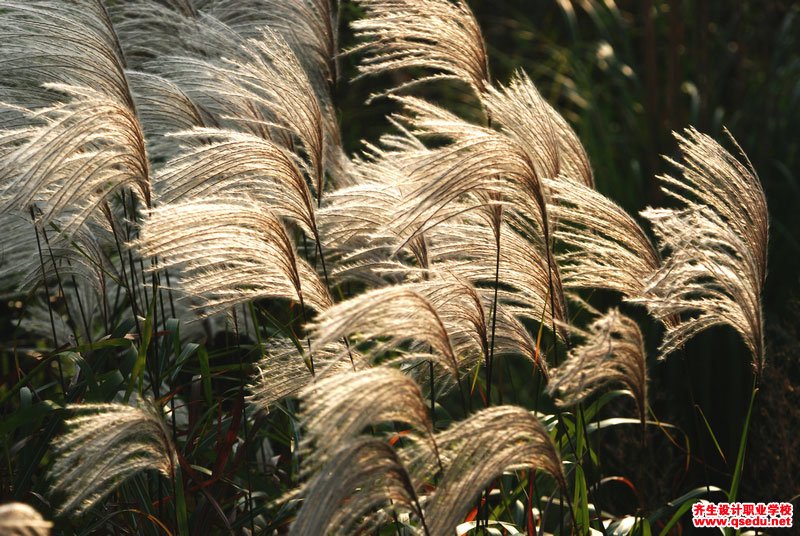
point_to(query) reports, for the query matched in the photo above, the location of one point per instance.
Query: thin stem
(433, 394)
(60, 284)
(244, 422)
(318, 242)
(169, 294)
(490, 357)
(49, 305)
(128, 288)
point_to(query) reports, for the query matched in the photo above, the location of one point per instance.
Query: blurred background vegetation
(626, 74)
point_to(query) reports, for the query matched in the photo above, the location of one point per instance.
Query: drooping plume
(521, 112)
(716, 246)
(362, 478)
(394, 315)
(86, 143)
(335, 410)
(225, 162)
(228, 251)
(309, 26)
(105, 445)
(76, 156)
(478, 450)
(284, 370)
(436, 35)
(605, 247)
(20, 519)
(479, 161)
(612, 353)
(467, 248)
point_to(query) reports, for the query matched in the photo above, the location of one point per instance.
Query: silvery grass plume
(148, 29)
(439, 36)
(605, 247)
(357, 233)
(186, 48)
(40, 263)
(20, 519)
(363, 479)
(524, 115)
(481, 163)
(612, 352)
(75, 45)
(443, 319)
(225, 162)
(271, 75)
(393, 315)
(229, 251)
(77, 155)
(284, 370)
(717, 247)
(309, 26)
(478, 160)
(466, 311)
(223, 103)
(359, 221)
(105, 445)
(260, 86)
(467, 247)
(476, 451)
(164, 108)
(337, 409)
(87, 143)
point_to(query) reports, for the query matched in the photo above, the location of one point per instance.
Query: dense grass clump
(232, 321)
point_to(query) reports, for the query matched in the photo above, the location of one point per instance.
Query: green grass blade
(737, 473)
(711, 433)
(180, 504)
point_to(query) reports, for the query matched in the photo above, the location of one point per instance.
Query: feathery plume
(149, 29)
(612, 353)
(437, 35)
(606, 247)
(717, 247)
(105, 445)
(398, 313)
(309, 26)
(87, 143)
(358, 223)
(267, 73)
(356, 228)
(525, 116)
(80, 256)
(163, 108)
(478, 161)
(20, 519)
(284, 370)
(228, 163)
(468, 248)
(230, 251)
(82, 152)
(361, 478)
(479, 449)
(338, 408)
(260, 85)
(485, 165)
(75, 45)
